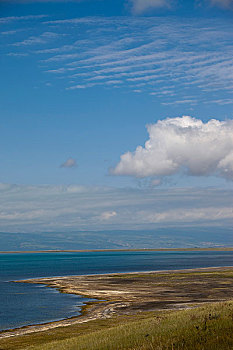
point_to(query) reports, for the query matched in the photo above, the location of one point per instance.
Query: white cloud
(108, 215)
(9, 32)
(141, 6)
(10, 19)
(69, 163)
(221, 3)
(155, 182)
(44, 38)
(182, 144)
(17, 54)
(190, 215)
(25, 208)
(178, 61)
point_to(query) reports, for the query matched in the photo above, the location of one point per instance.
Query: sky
(115, 114)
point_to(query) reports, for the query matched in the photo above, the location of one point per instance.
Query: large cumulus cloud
(182, 144)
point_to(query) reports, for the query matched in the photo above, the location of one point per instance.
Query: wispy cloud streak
(141, 6)
(222, 3)
(148, 53)
(5, 20)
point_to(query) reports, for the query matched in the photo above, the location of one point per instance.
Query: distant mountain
(119, 239)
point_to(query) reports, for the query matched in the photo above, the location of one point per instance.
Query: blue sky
(115, 97)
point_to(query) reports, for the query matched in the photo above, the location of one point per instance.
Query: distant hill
(119, 239)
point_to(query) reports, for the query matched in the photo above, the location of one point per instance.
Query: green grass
(62, 333)
(209, 327)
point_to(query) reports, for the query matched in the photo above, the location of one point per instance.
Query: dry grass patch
(204, 328)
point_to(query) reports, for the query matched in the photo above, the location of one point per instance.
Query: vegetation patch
(204, 328)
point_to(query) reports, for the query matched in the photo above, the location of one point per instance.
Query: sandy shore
(130, 293)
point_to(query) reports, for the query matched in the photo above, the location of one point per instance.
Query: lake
(24, 304)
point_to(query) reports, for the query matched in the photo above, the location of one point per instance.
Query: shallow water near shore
(23, 304)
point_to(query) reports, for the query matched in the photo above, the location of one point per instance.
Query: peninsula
(131, 295)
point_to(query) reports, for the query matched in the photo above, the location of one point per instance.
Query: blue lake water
(23, 304)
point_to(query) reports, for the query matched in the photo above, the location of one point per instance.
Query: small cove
(25, 304)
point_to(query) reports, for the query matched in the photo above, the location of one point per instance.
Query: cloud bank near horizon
(182, 145)
(25, 208)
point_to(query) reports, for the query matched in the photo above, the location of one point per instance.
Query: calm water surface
(23, 304)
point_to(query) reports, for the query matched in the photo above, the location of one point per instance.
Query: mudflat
(130, 293)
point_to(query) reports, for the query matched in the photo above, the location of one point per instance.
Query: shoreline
(40, 327)
(30, 280)
(114, 300)
(119, 250)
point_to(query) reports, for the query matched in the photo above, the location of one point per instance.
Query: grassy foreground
(204, 328)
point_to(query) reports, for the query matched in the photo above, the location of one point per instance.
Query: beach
(133, 293)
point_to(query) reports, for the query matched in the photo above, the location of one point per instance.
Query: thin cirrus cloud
(182, 144)
(222, 3)
(44, 38)
(141, 6)
(175, 61)
(69, 163)
(137, 6)
(10, 19)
